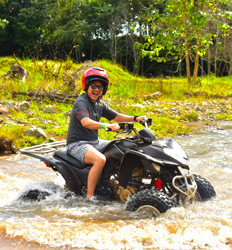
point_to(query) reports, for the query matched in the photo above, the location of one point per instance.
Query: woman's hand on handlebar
(112, 127)
(141, 118)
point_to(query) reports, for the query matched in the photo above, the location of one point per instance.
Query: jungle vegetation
(148, 37)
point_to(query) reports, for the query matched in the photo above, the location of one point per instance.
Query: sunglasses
(95, 86)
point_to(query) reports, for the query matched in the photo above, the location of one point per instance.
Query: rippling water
(59, 223)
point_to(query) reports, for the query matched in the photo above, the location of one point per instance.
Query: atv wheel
(205, 190)
(148, 210)
(34, 195)
(155, 201)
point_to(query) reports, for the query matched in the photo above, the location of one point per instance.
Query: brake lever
(142, 121)
(146, 122)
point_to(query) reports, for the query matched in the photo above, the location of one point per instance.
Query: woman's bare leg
(98, 160)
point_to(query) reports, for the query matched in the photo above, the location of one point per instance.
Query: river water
(59, 223)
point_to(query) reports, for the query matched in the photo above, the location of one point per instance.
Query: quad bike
(145, 173)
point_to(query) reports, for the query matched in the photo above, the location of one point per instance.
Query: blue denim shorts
(79, 149)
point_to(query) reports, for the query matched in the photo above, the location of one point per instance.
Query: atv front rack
(45, 148)
(189, 188)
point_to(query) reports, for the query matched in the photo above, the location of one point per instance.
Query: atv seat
(63, 154)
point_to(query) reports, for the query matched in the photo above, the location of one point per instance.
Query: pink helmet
(95, 74)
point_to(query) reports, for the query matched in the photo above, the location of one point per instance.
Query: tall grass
(51, 75)
(45, 74)
(127, 93)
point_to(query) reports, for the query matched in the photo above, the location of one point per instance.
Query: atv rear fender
(63, 168)
(70, 177)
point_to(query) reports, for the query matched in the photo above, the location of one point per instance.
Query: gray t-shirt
(83, 107)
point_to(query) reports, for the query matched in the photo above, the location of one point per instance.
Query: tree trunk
(202, 66)
(209, 62)
(127, 51)
(113, 31)
(186, 44)
(230, 69)
(196, 64)
(91, 50)
(216, 53)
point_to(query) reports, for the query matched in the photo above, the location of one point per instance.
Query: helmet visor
(105, 83)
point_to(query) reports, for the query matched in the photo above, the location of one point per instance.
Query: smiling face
(93, 91)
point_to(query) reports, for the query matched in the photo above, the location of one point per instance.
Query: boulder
(49, 109)
(4, 110)
(37, 132)
(24, 105)
(6, 145)
(67, 113)
(18, 72)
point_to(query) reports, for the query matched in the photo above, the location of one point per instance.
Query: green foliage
(166, 127)
(224, 117)
(212, 85)
(108, 29)
(193, 116)
(127, 94)
(45, 75)
(181, 30)
(49, 75)
(3, 23)
(16, 133)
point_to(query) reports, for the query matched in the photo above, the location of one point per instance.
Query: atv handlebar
(125, 126)
(129, 126)
(146, 122)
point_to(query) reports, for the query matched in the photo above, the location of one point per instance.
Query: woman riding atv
(82, 138)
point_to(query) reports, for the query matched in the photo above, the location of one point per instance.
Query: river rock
(158, 111)
(4, 110)
(17, 72)
(7, 145)
(49, 109)
(22, 121)
(67, 113)
(201, 109)
(37, 132)
(24, 105)
(155, 95)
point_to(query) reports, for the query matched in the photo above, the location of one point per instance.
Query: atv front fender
(130, 161)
